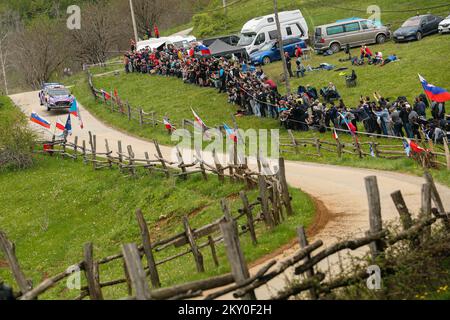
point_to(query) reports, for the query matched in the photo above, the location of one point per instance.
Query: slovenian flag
(39, 120)
(168, 125)
(230, 133)
(204, 50)
(434, 93)
(60, 125)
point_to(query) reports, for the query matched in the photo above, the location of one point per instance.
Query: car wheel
(419, 35)
(381, 38)
(335, 47)
(266, 60)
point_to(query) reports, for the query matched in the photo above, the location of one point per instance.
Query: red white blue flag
(60, 125)
(230, 133)
(434, 93)
(39, 120)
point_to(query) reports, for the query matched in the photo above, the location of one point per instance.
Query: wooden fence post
(294, 141)
(10, 255)
(213, 250)
(303, 241)
(153, 119)
(198, 257)
(141, 117)
(131, 160)
(147, 158)
(284, 186)
(405, 215)
(108, 156)
(447, 152)
(376, 222)
(265, 202)
(84, 152)
(425, 210)
(339, 148)
(160, 156)
(181, 164)
(219, 168)
(112, 102)
(91, 272)
(120, 156)
(128, 111)
(235, 255)
(317, 144)
(75, 148)
(437, 198)
(136, 271)
(248, 212)
(145, 234)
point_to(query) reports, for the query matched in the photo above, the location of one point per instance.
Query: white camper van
(259, 31)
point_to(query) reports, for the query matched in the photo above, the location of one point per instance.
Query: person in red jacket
(366, 53)
(298, 51)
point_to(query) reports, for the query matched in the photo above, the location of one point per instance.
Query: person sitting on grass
(389, 59)
(366, 53)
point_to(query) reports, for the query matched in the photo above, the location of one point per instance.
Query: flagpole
(134, 22)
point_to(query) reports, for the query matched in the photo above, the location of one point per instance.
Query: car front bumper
(400, 38)
(444, 29)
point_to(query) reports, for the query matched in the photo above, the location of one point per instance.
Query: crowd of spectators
(253, 93)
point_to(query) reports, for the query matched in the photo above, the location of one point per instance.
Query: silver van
(356, 32)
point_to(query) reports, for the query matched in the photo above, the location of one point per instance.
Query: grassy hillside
(319, 12)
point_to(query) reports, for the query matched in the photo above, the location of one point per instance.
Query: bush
(206, 24)
(16, 138)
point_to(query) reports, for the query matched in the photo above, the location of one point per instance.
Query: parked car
(417, 27)
(444, 25)
(55, 96)
(357, 32)
(270, 52)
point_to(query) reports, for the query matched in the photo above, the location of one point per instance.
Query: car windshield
(246, 39)
(268, 46)
(411, 22)
(59, 92)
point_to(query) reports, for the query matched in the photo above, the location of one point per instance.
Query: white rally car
(444, 25)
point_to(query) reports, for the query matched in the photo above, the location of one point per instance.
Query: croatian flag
(168, 125)
(434, 93)
(199, 121)
(60, 125)
(230, 133)
(39, 120)
(204, 50)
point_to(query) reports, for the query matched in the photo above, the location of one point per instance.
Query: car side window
(364, 25)
(289, 31)
(261, 38)
(351, 27)
(335, 30)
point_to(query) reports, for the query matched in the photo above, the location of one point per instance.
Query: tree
(40, 50)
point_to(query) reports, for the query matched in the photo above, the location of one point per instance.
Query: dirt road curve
(340, 189)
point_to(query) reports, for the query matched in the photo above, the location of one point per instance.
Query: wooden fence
(240, 282)
(437, 156)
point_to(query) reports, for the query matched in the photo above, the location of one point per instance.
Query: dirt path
(340, 189)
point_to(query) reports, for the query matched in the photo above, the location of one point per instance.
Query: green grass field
(53, 208)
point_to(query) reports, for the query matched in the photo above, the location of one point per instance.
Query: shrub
(16, 138)
(206, 24)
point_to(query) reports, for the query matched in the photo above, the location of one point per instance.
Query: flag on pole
(372, 152)
(230, 133)
(434, 93)
(106, 95)
(74, 110)
(335, 134)
(406, 147)
(68, 125)
(60, 125)
(412, 146)
(199, 121)
(168, 125)
(39, 120)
